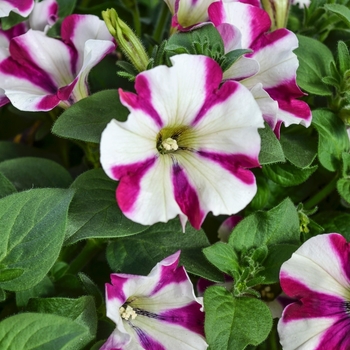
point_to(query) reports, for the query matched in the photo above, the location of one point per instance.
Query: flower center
(127, 312)
(172, 139)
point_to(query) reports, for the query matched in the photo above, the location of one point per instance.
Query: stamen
(127, 312)
(170, 144)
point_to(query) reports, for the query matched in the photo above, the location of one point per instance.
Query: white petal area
(231, 127)
(218, 190)
(231, 36)
(94, 52)
(192, 12)
(44, 14)
(4, 41)
(136, 141)
(303, 334)
(171, 5)
(244, 67)
(155, 202)
(267, 105)
(322, 266)
(77, 29)
(171, 336)
(178, 92)
(51, 55)
(278, 63)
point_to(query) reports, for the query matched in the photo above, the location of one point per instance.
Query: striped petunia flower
(158, 311)
(270, 70)
(39, 73)
(318, 276)
(21, 7)
(186, 146)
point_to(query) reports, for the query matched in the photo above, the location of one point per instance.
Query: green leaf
(86, 119)
(343, 187)
(341, 11)
(94, 212)
(32, 231)
(343, 56)
(2, 295)
(287, 174)
(42, 331)
(271, 150)
(222, 256)
(314, 60)
(138, 254)
(26, 173)
(278, 225)
(11, 20)
(333, 138)
(231, 57)
(91, 288)
(65, 7)
(82, 310)
(44, 288)
(186, 40)
(333, 221)
(6, 186)
(278, 254)
(346, 164)
(234, 323)
(298, 146)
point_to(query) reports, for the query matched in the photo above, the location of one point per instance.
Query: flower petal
(44, 13)
(22, 7)
(191, 12)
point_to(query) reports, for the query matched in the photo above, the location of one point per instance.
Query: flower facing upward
(318, 275)
(158, 311)
(186, 145)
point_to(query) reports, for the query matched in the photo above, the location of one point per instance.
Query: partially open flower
(158, 311)
(186, 145)
(318, 275)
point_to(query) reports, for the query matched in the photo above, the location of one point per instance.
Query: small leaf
(333, 138)
(341, 11)
(231, 57)
(234, 323)
(271, 150)
(343, 56)
(343, 187)
(65, 7)
(314, 60)
(86, 119)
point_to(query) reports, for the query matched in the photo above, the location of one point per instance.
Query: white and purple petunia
(158, 311)
(318, 276)
(21, 7)
(186, 146)
(270, 70)
(39, 73)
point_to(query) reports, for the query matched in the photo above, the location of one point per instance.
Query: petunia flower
(158, 311)
(270, 68)
(186, 145)
(21, 7)
(318, 275)
(39, 73)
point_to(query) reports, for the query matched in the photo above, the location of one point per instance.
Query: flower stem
(92, 248)
(317, 198)
(160, 25)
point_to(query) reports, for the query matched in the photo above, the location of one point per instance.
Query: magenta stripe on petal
(259, 23)
(186, 197)
(342, 250)
(215, 97)
(47, 103)
(216, 13)
(146, 341)
(129, 186)
(116, 290)
(21, 5)
(64, 92)
(311, 304)
(189, 317)
(337, 336)
(168, 275)
(235, 164)
(16, 30)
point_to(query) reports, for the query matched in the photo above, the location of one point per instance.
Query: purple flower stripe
(168, 275)
(186, 197)
(21, 5)
(251, 2)
(216, 13)
(235, 164)
(337, 336)
(17, 30)
(311, 304)
(3, 100)
(143, 99)
(269, 39)
(216, 97)
(342, 249)
(116, 289)
(146, 341)
(189, 317)
(129, 187)
(53, 13)
(47, 102)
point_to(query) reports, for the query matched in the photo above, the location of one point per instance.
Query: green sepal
(270, 150)
(231, 57)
